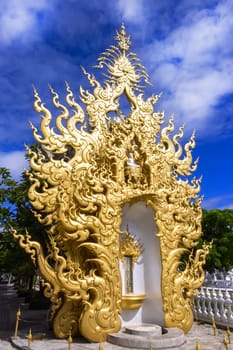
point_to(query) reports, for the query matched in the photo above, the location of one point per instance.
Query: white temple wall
(147, 270)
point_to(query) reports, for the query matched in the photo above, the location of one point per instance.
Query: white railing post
(215, 299)
(229, 305)
(215, 304)
(203, 304)
(222, 310)
(209, 302)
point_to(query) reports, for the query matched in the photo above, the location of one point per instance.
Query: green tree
(15, 210)
(217, 225)
(6, 183)
(6, 212)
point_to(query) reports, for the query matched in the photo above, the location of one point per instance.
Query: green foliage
(6, 182)
(217, 225)
(15, 210)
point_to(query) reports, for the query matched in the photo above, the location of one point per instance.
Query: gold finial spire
(70, 340)
(29, 339)
(229, 334)
(123, 40)
(18, 315)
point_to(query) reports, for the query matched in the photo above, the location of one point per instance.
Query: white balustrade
(214, 301)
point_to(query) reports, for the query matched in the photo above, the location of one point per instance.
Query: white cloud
(194, 63)
(19, 20)
(131, 10)
(220, 202)
(14, 161)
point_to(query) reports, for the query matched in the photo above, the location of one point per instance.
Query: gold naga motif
(89, 164)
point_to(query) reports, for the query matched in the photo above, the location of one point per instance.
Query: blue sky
(186, 47)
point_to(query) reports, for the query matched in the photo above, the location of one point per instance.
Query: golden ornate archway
(92, 163)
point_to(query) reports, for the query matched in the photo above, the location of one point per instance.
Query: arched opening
(145, 274)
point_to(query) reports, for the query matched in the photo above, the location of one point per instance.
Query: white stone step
(145, 336)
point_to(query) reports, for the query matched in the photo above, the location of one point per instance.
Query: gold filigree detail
(122, 67)
(88, 166)
(130, 246)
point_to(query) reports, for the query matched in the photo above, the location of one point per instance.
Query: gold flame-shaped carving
(91, 163)
(129, 246)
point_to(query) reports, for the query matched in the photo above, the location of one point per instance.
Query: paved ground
(9, 304)
(201, 334)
